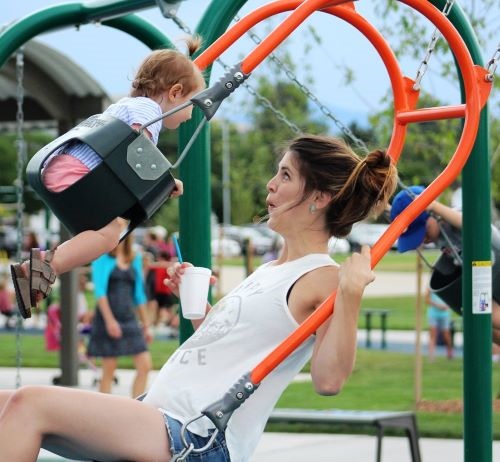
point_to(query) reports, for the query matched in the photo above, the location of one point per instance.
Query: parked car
(366, 233)
(338, 245)
(261, 244)
(225, 247)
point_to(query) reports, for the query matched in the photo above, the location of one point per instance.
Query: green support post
(476, 235)
(195, 203)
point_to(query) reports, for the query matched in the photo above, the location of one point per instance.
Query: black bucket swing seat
(133, 190)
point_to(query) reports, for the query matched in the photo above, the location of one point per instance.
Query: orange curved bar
(404, 96)
(434, 113)
(241, 27)
(471, 122)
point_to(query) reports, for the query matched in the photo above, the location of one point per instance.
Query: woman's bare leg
(4, 397)
(143, 364)
(432, 341)
(90, 425)
(108, 374)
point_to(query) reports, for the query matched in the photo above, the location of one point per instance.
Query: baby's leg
(85, 424)
(87, 246)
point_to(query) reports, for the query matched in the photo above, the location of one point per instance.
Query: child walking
(165, 80)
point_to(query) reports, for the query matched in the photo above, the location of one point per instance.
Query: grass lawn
(382, 380)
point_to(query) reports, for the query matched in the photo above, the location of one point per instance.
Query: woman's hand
(356, 272)
(175, 273)
(113, 328)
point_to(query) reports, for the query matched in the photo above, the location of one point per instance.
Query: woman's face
(284, 194)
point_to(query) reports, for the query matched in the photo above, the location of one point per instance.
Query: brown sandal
(22, 288)
(42, 276)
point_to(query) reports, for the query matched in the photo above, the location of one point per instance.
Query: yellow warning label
(481, 263)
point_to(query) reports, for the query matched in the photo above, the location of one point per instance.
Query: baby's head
(170, 78)
(166, 67)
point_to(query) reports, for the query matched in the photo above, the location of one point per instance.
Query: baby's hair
(164, 68)
(357, 185)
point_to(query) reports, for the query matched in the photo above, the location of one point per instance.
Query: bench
(383, 315)
(379, 419)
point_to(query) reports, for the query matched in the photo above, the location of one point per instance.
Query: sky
(111, 56)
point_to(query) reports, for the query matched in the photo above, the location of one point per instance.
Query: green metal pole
(476, 235)
(196, 203)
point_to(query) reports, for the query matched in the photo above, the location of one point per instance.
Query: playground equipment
(476, 87)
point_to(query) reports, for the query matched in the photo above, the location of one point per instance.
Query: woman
(119, 291)
(320, 190)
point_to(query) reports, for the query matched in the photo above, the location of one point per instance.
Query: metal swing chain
(19, 187)
(492, 64)
(430, 48)
(171, 14)
(310, 95)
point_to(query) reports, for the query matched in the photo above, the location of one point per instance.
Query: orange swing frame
(476, 90)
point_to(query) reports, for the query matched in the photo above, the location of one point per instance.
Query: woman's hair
(164, 68)
(126, 247)
(355, 184)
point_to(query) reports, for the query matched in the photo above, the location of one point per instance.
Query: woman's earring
(312, 208)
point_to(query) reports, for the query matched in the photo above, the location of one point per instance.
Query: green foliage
(34, 140)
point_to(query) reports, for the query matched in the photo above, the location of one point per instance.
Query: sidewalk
(279, 447)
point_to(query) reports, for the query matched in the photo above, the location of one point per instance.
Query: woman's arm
(336, 340)
(112, 325)
(146, 325)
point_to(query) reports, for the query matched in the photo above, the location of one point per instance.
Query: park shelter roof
(56, 89)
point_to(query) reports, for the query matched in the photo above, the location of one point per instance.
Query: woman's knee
(22, 399)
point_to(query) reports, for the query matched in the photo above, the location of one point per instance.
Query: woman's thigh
(98, 426)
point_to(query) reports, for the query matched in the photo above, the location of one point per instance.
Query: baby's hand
(178, 190)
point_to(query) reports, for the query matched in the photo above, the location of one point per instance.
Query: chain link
(262, 99)
(265, 102)
(422, 68)
(19, 187)
(492, 64)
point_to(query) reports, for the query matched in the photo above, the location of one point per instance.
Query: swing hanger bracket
(169, 8)
(210, 99)
(221, 411)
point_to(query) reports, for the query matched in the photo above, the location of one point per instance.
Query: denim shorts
(217, 452)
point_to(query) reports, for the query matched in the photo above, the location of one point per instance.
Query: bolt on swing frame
(476, 88)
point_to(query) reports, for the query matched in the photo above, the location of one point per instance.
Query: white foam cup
(193, 291)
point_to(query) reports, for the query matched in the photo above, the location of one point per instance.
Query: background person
(427, 228)
(438, 320)
(115, 332)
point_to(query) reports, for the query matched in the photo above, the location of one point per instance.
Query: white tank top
(239, 331)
